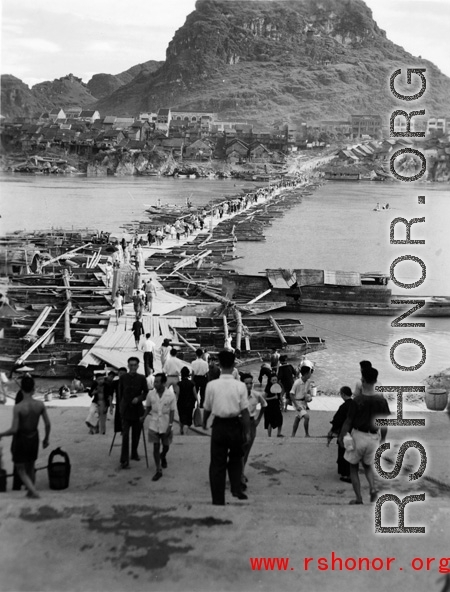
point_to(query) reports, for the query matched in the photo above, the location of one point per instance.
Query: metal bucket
(2, 480)
(58, 472)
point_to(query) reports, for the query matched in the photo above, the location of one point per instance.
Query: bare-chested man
(24, 427)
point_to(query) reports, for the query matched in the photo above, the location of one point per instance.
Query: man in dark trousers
(363, 410)
(336, 425)
(286, 375)
(200, 371)
(226, 398)
(132, 392)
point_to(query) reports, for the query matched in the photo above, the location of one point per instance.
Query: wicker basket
(436, 399)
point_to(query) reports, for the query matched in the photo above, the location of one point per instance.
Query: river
(335, 228)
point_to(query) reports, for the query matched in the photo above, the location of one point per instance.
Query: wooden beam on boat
(260, 296)
(276, 326)
(225, 328)
(189, 260)
(238, 317)
(41, 340)
(67, 335)
(32, 333)
(190, 345)
(65, 255)
(212, 295)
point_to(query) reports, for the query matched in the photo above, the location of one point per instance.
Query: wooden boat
(341, 176)
(258, 335)
(330, 292)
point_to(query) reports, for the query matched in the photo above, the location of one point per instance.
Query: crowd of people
(211, 385)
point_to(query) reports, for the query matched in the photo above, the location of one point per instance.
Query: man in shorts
(363, 410)
(26, 416)
(160, 405)
(300, 396)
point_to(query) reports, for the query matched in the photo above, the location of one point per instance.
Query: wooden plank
(260, 296)
(32, 333)
(278, 330)
(238, 317)
(41, 340)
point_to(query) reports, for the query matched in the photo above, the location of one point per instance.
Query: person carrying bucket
(24, 427)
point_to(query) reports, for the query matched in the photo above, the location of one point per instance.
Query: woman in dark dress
(138, 331)
(273, 418)
(336, 425)
(186, 399)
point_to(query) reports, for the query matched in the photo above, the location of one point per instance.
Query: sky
(46, 39)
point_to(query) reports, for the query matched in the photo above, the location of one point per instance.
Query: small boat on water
(330, 292)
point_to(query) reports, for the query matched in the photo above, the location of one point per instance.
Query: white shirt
(161, 408)
(150, 382)
(255, 398)
(150, 290)
(148, 345)
(173, 365)
(299, 390)
(200, 367)
(226, 397)
(118, 302)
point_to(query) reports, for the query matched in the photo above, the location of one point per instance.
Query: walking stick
(145, 445)
(112, 444)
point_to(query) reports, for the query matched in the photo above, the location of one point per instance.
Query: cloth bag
(92, 417)
(198, 417)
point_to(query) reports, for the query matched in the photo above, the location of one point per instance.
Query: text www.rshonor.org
(335, 563)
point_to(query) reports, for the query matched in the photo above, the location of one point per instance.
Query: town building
(367, 125)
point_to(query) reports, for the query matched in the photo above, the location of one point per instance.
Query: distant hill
(264, 60)
(18, 100)
(103, 85)
(272, 59)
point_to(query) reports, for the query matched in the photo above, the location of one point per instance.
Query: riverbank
(118, 530)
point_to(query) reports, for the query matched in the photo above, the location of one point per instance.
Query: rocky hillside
(18, 100)
(103, 85)
(270, 59)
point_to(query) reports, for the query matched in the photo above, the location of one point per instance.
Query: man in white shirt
(254, 399)
(227, 400)
(148, 347)
(150, 294)
(300, 396)
(172, 368)
(160, 405)
(199, 373)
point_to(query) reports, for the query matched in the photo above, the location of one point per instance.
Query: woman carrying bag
(187, 399)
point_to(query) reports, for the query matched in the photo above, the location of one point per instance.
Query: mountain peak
(268, 59)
